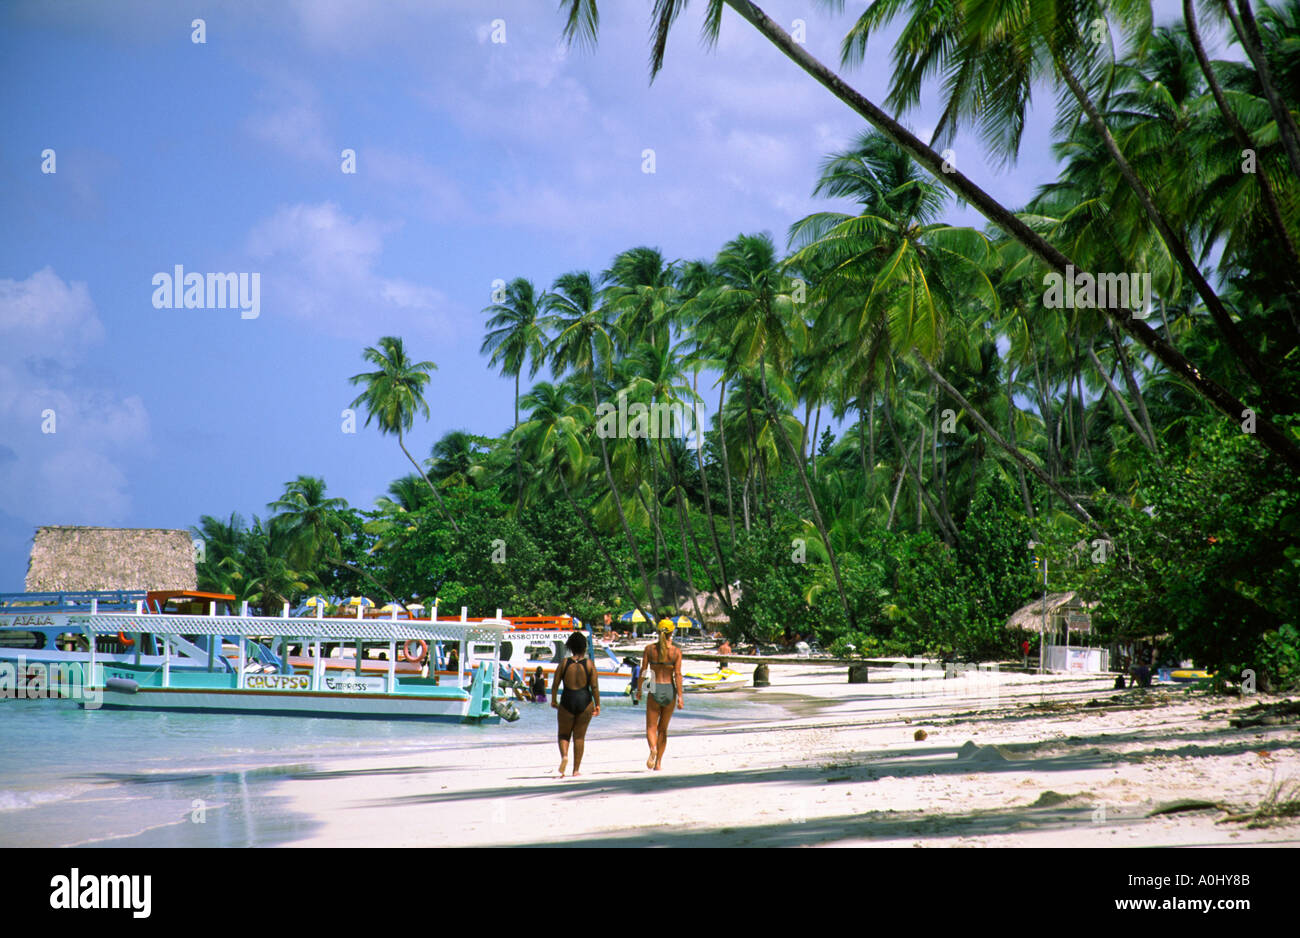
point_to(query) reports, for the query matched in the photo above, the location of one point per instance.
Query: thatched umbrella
(1031, 617)
(66, 557)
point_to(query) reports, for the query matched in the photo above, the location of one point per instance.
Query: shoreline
(1024, 762)
(1004, 760)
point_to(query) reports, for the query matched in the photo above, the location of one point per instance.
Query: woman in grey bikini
(662, 665)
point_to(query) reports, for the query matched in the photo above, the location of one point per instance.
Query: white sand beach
(1039, 768)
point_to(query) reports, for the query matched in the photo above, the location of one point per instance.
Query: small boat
(714, 681)
(534, 642)
(1184, 675)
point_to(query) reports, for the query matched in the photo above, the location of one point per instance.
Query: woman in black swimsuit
(579, 702)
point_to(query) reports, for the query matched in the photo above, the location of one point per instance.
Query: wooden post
(392, 666)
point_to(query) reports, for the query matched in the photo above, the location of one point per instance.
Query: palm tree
(582, 20)
(894, 282)
(456, 459)
(309, 521)
(552, 441)
(518, 333)
(393, 395)
(755, 294)
(585, 342)
(640, 291)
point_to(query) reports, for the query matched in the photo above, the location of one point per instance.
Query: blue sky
(475, 160)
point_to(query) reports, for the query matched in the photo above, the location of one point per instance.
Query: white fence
(1077, 660)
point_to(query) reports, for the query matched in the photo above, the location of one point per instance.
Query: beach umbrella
(360, 601)
(633, 616)
(315, 601)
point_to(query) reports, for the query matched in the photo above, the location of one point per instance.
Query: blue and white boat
(161, 660)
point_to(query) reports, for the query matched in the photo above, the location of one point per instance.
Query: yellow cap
(666, 625)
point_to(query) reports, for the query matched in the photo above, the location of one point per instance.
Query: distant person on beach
(537, 686)
(662, 664)
(579, 702)
(724, 649)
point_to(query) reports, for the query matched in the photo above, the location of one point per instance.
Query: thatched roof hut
(85, 558)
(1030, 617)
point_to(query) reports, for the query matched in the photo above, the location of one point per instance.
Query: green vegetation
(1152, 458)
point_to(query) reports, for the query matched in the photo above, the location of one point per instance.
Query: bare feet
(652, 763)
(564, 764)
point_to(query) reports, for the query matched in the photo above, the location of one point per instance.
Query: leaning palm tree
(1006, 78)
(393, 395)
(517, 334)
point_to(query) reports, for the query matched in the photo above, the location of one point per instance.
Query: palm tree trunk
(519, 463)
(808, 493)
(923, 499)
(1123, 405)
(653, 509)
(681, 522)
(1246, 355)
(1239, 132)
(765, 493)
(920, 486)
(871, 430)
(726, 462)
(812, 454)
(432, 488)
(1011, 432)
(862, 450)
(1243, 21)
(708, 504)
(902, 475)
(1139, 400)
(600, 545)
(936, 473)
(993, 435)
(618, 500)
(1224, 401)
(1067, 415)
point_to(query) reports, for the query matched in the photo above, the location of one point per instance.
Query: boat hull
(716, 682)
(273, 703)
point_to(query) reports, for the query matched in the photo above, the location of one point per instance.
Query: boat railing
(71, 600)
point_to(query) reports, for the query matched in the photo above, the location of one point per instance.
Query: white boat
(539, 642)
(191, 674)
(42, 635)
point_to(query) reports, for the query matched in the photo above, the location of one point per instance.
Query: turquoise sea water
(117, 778)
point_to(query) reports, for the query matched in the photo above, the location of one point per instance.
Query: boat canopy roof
(289, 627)
(69, 600)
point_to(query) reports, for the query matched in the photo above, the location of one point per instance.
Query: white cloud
(289, 118)
(320, 265)
(74, 474)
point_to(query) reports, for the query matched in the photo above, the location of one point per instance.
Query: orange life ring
(121, 637)
(418, 656)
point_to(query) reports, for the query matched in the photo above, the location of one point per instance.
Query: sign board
(1078, 622)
